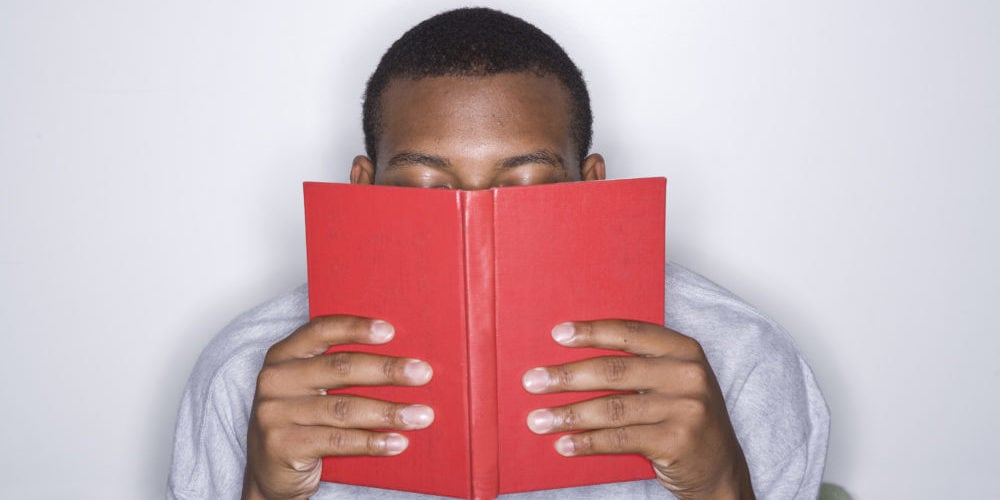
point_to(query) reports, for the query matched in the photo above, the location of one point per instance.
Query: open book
(473, 282)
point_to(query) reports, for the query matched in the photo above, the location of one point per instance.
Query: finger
(316, 337)
(311, 376)
(635, 337)
(344, 411)
(319, 441)
(616, 410)
(647, 440)
(615, 373)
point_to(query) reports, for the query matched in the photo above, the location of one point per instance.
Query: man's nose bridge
(475, 177)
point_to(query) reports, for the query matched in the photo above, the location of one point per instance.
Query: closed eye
(541, 156)
(409, 159)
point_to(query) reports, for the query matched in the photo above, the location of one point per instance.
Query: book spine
(478, 208)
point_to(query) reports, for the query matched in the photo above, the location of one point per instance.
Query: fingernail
(417, 416)
(541, 421)
(565, 446)
(535, 379)
(396, 443)
(417, 371)
(381, 331)
(563, 332)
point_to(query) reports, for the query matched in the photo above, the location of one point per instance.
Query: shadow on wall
(829, 491)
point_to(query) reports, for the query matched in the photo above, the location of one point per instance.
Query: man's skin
(477, 133)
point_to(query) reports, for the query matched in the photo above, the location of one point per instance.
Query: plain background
(834, 163)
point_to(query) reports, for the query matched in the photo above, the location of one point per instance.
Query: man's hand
(294, 423)
(676, 418)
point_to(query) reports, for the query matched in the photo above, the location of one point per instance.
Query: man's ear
(362, 170)
(592, 168)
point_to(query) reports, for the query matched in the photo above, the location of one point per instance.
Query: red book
(474, 281)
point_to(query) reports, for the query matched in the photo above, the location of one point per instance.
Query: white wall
(832, 163)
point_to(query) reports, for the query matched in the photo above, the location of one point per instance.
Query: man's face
(476, 133)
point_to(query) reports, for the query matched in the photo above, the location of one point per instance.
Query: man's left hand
(673, 412)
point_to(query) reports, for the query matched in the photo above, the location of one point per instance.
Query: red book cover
(474, 281)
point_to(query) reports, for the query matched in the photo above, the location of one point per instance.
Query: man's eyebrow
(411, 158)
(540, 156)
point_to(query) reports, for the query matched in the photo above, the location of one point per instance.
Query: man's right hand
(294, 423)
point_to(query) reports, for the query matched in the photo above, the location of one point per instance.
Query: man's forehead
(455, 103)
(470, 118)
(452, 103)
(519, 85)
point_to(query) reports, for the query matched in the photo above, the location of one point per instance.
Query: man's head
(475, 98)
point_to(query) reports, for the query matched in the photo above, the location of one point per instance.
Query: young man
(474, 99)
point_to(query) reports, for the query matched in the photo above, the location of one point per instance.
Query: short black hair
(476, 42)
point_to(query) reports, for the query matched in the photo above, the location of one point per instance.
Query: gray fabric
(775, 405)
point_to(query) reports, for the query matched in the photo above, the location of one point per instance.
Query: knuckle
(614, 368)
(695, 374)
(266, 412)
(695, 409)
(564, 376)
(692, 348)
(272, 353)
(391, 369)
(391, 416)
(632, 326)
(631, 329)
(620, 438)
(339, 406)
(570, 418)
(272, 439)
(698, 351)
(338, 441)
(615, 408)
(375, 444)
(684, 437)
(337, 329)
(267, 380)
(340, 363)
